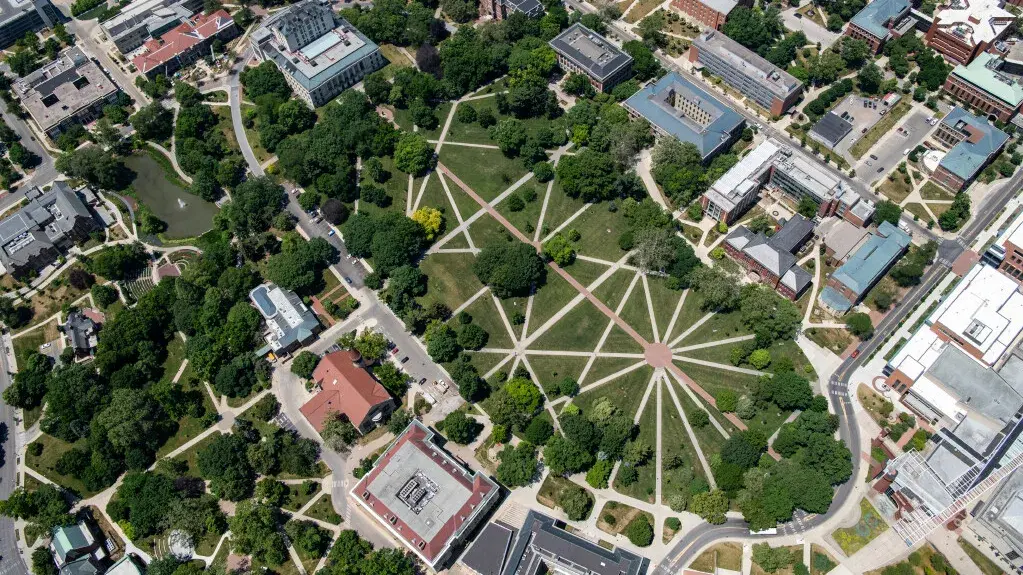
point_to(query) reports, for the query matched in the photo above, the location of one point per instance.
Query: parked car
(404, 359)
(442, 385)
(394, 351)
(348, 280)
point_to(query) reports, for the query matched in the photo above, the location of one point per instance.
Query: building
(841, 238)
(320, 53)
(880, 21)
(500, 9)
(1006, 253)
(423, 496)
(184, 44)
(854, 278)
(582, 50)
(347, 388)
(77, 551)
(965, 28)
(289, 323)
(973, 143)
(772, 259)
(998, 522)
(144, 19)
(126, 565)
(37, 234)
(82, 332)
(831, 128)
(737, 190)
(982, 85)
(19, 17)
(676, 107)
(70, 90)
(711, 13)
(542, 545)
(769, 86)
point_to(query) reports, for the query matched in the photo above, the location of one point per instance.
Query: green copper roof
(68, 538)
(980, 75)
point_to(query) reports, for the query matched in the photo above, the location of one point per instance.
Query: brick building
(346, 387)
(773, 259)
(973, 142)
(710, 13)
(582, 50)
(184, 44)
(853, 279)
(880, 21)
(983, 86)
(965, 29)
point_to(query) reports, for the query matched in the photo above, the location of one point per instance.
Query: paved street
(11, 561)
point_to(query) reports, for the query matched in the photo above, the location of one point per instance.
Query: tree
(769, 315)
(253, 205)
(563, 456)
(711, 506)
(726, 400)
(576, 502)
(42, 561)
(538, 431)
(859, 324)
(461, 428)
(29, 385)
(143, 500)
(789, 390)
(132, 420)
(413, 154)
(96, 166)
(589, 175)
(854, 52)
(753, 28)
(442, 342)
(297, 267)
(338, 433)
(771, 559)
(640, 532)
(510, 135)
(559, 249)
(886, 211)
(510, 269)
(255, 530)
(224, 463)
(598, 475)
(578, 85)
(308, 537)
(517, 466)
(473, 337)
(644, 64)
(870, 79)
(334, 211)
(460, 11)
(720, 289)
(760, 358)
(264, 79)
(304, 364)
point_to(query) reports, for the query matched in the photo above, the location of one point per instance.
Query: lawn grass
(450, 279)
(435, 197)
(485, 315)
(640, 10)
(870, 525)
(43, 463)
(664, 300)
(404, 119)
(605, 366)
(579, 330)
(475, 134)
(488, 172)
(485, 361)
(553, 489)
(329, 282)
(932, 191)
(600, 229)
(879, 129)
(795, 551)
(919, 212)
(586, 272)
(938, 209)
(613, 289)
(636, 313)
(873, 402)
(226, 126)
(625, 392)
(619, 341)
(323, 510)
(26, 344)
(190, 456)
(834, 339)
(692, 311)
(188, 426)
(821, 562)
(396, 186)
(676, 442)
(486, 230)
(715, 380)
(560, 207)
(645, 486)
(395, 56)
(550, 369)
(986, 565)
(549, 300)
(525, 219)
(720, 326)
(895, 190)
(723, 555)
(708, 436)
(622, 513)
(297, 496)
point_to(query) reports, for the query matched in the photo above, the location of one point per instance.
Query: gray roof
(81, 330)
(63, 87)
(288, 319)
(831, 129)
(49, 219)
(981, 389)
(542, 541)
(873, 258)
(489, 550)
(749, 63)
(775, 253)
(654, 102)
(874, 17)
(11, 10)
(590, 51)
(85, 565)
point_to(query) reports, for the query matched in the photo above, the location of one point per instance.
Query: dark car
(404, 359)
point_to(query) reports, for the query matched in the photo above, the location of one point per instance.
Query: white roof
(1014, 232)
(976, 21)
(740, 179)
(941, 400)
(986, 310)
(917, 354)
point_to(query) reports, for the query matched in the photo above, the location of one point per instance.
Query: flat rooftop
(985, 73)
(743, 178)
(590, 51)
(14, 9)
(974, 21)
(778, 81)
(423, 495)
(808, 173)
(985, 309)
(63, 87)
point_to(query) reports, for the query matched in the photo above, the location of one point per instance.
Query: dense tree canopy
(511, 269)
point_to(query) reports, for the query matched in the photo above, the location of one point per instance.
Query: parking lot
(863, 113)
(892, 149)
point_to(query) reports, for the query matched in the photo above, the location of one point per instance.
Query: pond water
(186, 215)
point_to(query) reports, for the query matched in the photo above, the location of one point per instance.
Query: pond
(186, 215)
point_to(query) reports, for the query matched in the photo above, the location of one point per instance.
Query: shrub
(673, 523)
(640, 532)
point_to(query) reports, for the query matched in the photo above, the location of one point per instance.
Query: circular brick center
(658, 355)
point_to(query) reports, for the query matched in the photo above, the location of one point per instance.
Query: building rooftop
(346, 388)
(985, 309)
(776, 253)
(490, 549)
(723, 6)
(984, 73)
(744, 177)
(528, 7)
(708, 131)
(423, 495)
(287, 318)
(810, 174)
(974, 21)
(832, 128)
(62, 87)
(778, 81)
(158, 51)
(125, 566)
(154, 14)
(320, 60)
(1003, 511)
(867, 264)
(45, 221)
(81, 330)
(590, 51)
(542, 546)
(875, 16)
(967, 157)
(13, 9)
(842, 237)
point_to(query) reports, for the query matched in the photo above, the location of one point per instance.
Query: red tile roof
(346, 388)
(181, 39)
(422, 439)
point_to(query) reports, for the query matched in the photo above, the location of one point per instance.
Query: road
(11, 560)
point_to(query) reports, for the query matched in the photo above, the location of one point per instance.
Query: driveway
(891, 149)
